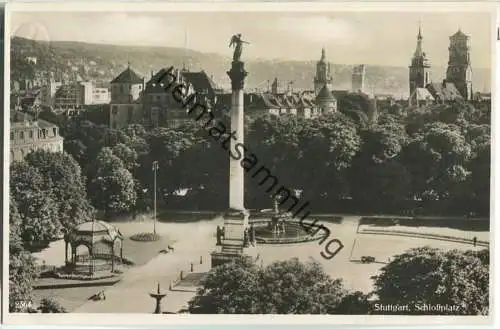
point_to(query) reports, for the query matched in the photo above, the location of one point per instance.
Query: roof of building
(127, 76)
(200, 81)
(325, 95)
(459, 34)
(422, 94)
(269, 100)
(99, 228)
(445, 91)
(20, 119)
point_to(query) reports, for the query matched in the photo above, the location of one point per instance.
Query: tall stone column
(236, 218)
(236, 173)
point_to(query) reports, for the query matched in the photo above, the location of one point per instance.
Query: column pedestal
(232, 249)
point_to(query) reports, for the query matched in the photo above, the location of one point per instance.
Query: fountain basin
(294, 232)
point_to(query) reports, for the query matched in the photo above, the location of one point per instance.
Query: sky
(376, 38)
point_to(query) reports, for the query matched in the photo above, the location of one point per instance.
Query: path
(131, 295)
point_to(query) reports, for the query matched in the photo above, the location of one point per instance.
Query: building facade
(125, 106)
(459, 70)
(288, 103)
(160, 107)
(100, 95)
(28, 134)
(48, 92)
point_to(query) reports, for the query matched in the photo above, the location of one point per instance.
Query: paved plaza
(196, 239)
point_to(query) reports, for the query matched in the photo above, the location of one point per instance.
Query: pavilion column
(121, 251)
(113, 257)
(91, 260)
(66, 252)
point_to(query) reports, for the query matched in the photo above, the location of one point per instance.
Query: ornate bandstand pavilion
(103, 244)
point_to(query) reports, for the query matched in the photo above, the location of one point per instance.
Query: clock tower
(459, 69)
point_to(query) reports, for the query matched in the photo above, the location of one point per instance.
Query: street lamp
(155, 170)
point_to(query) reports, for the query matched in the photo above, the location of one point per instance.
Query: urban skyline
(349, 38)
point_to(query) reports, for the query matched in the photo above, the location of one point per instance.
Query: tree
(377, 179)
(22, 272)
(476, 190)
(35, 203)
(430, 276)
(49, 305)
(327, 147)
(285, 287)
(294, 287)
(15, 223)
(112, 188)
(40, 222)
(127, 155)
(228, 289)
(380, 186)
(436, 158)
(355, 303)
(66, 185)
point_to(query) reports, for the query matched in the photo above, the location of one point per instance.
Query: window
(54, 130)
(31, 134)
(115, 110)
(11, 135)
(21, 134)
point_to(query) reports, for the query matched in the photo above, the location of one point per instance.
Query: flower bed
(423, 235)
(288, 240)
(145, 237)
(61, 274)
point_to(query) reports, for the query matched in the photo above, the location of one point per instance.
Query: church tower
(419, 68)
(459, 70)
(274, 87)
(323, 77)
(358, 78)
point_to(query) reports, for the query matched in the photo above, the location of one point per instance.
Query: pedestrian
(474, 241)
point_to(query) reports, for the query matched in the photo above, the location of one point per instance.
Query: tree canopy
(430, 159)
(284, 287)
(432, 276)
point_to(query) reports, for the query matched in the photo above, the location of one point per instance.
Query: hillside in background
(103, 62)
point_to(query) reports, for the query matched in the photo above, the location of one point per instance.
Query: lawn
(138, 252)
(142, 252)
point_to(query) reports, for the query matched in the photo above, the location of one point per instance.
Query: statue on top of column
(237, 42)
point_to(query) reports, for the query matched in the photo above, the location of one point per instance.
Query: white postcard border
(182, 319)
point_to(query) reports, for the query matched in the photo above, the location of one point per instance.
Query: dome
(99, 229)
(324, 95)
